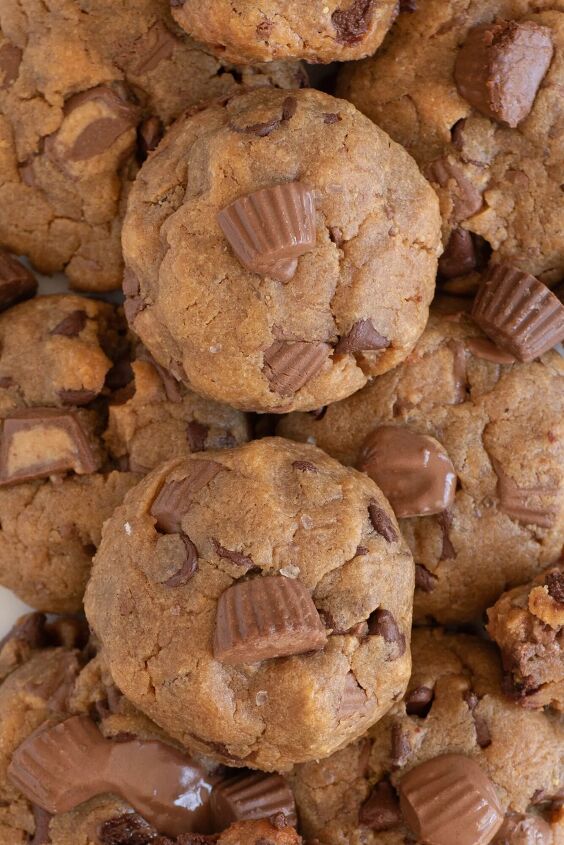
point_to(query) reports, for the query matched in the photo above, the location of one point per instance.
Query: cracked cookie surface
(501, 184)
(276, 519)
(454, 705)
(501, 426)
(358, 299)
(85, 90)
(318, 31)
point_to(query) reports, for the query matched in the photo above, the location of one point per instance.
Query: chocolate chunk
(237, 558)
(465, 198)
(261, 129)
(188, 568)
(16, 281)
(555, 583)
(459, 257)
(42, 820)
(382, 523)
(351, 24)
(354, 699)
(76, 397)
(483, 348)
(264, 618)
(175, 497)
(424, 580)
(128, 829)
(522, 504)
(72, 324)
(400, 747)
(118, 117)
(363, 337)
(251, 796)
(269, 229)
(448, 552)
(450, 799)
(305, 466)
(381, 809)
(289, 107)
(65, 764)
(413, 470)
(483, 736)
(289, 365)
(197, 434)
(10, 61)
(331, 117)
(361, 551)
(418, 702)
(382, 624)
(500, 67)
(39, 442)
(150, 134)
(519, 829)
(518, 312)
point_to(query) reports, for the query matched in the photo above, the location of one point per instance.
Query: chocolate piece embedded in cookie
(16, 281)
(252, 796)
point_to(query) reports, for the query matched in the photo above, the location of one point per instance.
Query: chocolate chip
(251, 796)
(76, 397)
(382, 624)
(424, 580)
(381, 809)
(150, 134)
(382, 523)
(129, 829)
(400, 747)
(362, 337)
(289, 365)
(197, 434)
(237, 558)
(331, 117)
(555, 583)
(188, 568)
(418, 702)
(72, 324)
(448, 552)
(10, 60)
(289, 107)
(465, 198)
(266, 617)
(16, 281)
(483, 736)
(175, 497)
(305, 466)
(500, 67)
(351, 25)
(261, 129)
(459, 257)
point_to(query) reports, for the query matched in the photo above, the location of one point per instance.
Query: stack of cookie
(290, 515)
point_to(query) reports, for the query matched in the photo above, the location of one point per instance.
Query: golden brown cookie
(320, 31)
(300, 255)
(507, 772)
(84, 95)
(458, 403)
(261, 609)
(472, 90)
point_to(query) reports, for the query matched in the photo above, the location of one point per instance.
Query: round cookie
(73, 128)
(491, 422)
(63, 466)
(57, 691)
(454, 705)
(326, 268)
(286, 574)
(473, 93)
(319, 31)
(527, 623)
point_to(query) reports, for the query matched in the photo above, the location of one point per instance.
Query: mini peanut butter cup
(518, 312)
(251, 796)
(269, 229)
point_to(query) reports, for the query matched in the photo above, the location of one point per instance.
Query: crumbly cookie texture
(527, 623)
(79, 424)
(500, 424)
(312, 328)
(336, 30)
(73, 128)
(454, 705)
(499, 185)
(287, 575)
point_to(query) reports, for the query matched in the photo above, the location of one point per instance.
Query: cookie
(78, 426)
(286, 574)
(455, 760)
(459, 405)
(72, 745)
(472, 92)
(301, 249)
(319, 32)
(527, 623)
(84, 95)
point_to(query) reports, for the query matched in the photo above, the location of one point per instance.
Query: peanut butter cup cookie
(467, 444)
(85, 91)
(261, 609)
(454, 762)
(473, 91)
(319, 31)
(280, 250)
